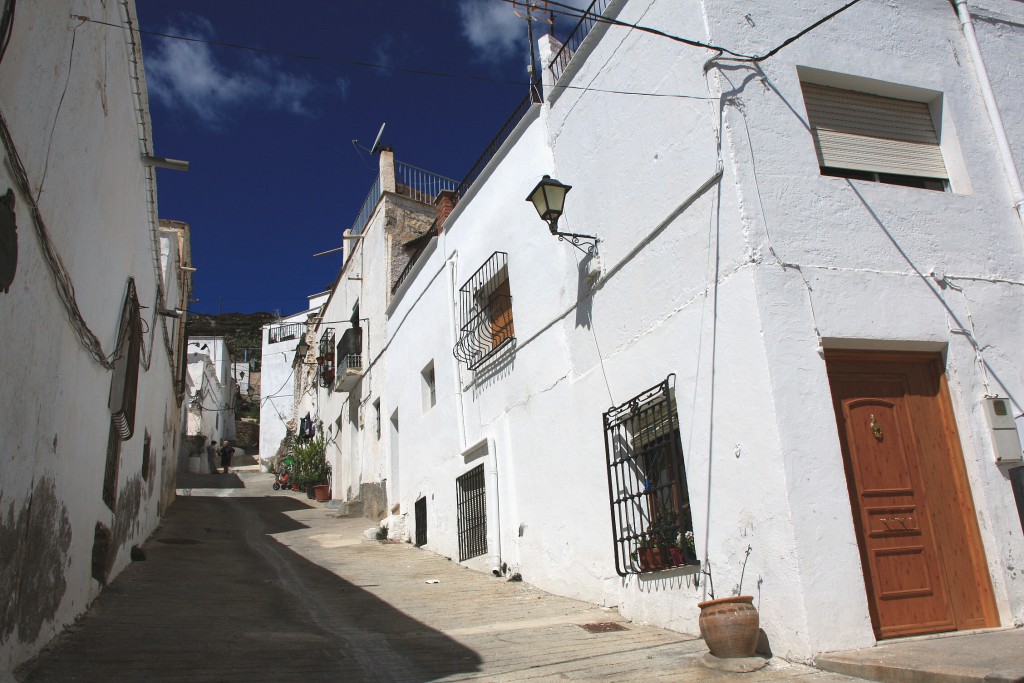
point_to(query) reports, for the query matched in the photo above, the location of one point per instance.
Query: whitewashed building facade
(89, 284)
(277, 384)
(799, 339)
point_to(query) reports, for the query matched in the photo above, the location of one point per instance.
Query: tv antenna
(373, 149)
(530, 6)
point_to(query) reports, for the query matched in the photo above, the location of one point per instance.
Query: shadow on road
(188, 480)
(219, 598)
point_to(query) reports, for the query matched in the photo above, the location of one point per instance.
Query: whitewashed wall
(277, 395)
(54, 419)
(759, 272)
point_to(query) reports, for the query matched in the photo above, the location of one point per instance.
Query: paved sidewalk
(245, 584)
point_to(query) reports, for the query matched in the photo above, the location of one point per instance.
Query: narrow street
(244, 584)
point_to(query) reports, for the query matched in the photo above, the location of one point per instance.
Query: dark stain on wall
(126, 517)
(34, 544)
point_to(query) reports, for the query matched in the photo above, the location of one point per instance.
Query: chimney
(444, 205)
(387, 170)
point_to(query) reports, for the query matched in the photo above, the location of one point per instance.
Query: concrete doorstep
(992, 656)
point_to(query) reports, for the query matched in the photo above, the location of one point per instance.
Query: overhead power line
(575, 12)
(299, 55)
(372, 65)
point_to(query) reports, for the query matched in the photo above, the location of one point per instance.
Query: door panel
(922, 562)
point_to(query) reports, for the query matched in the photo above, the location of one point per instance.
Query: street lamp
(302, 349)
(548, 198)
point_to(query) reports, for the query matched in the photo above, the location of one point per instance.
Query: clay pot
(652, 559)
(730, 626)
(322, 492)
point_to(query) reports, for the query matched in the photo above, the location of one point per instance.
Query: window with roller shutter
(863, 136)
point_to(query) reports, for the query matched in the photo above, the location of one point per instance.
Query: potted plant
(649, 556)
(729, 626)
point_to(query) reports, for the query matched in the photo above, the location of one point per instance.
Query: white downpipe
(1009, 166)
(460, 413)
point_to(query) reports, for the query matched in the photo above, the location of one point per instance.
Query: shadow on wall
(296, 617)
(495, 368)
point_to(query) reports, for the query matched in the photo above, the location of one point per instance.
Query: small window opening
(429, 387)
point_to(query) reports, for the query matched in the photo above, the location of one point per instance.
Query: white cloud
(189, 75)
(343, 85)
(492, 27)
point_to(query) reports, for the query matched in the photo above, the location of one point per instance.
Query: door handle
(875, 428)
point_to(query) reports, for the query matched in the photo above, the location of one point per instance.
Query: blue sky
(274, 175)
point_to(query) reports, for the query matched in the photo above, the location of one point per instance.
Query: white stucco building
(89, 284)
(277, 382)
(211, 399)
(799, 339)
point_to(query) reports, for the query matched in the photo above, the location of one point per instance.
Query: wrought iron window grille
(325, 358)
(485, 305)
(650, 506)
(472, 513)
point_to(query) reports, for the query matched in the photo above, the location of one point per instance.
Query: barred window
(485, 313)
(650, 504)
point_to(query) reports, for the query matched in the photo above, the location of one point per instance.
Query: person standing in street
(225, 456)
(211, 456)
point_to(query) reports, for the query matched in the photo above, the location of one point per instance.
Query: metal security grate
(650, 504)
(325, 358)
(472, 509)
(485, 306)
(421, 522)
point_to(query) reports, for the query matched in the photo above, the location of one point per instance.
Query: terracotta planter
(730, 626)
(675, 556)
(322, 493)
(652, 559)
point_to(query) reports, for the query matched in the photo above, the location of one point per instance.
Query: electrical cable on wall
(62, 280)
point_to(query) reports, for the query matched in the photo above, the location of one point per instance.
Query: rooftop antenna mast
(531, 67)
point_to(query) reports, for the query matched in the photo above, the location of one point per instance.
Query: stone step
(986, 657)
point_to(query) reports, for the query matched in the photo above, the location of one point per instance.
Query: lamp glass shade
(548, 198)
(302, 348)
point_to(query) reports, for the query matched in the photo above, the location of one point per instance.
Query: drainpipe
(460, 413)
(1009, 167)
(461, 419)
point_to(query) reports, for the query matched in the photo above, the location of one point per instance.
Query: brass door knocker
(875, 429)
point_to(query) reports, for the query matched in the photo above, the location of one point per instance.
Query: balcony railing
(419, 185)
(351, 362)
(350, 371)
(494, 146)
(367, 208)
(280, 333)
(576, 36)
(410, 181)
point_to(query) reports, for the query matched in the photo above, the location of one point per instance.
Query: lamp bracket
(576, 240)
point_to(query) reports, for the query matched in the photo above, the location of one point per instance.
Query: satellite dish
(375, 147)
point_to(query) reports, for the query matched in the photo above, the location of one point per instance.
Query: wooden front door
(921, 552)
